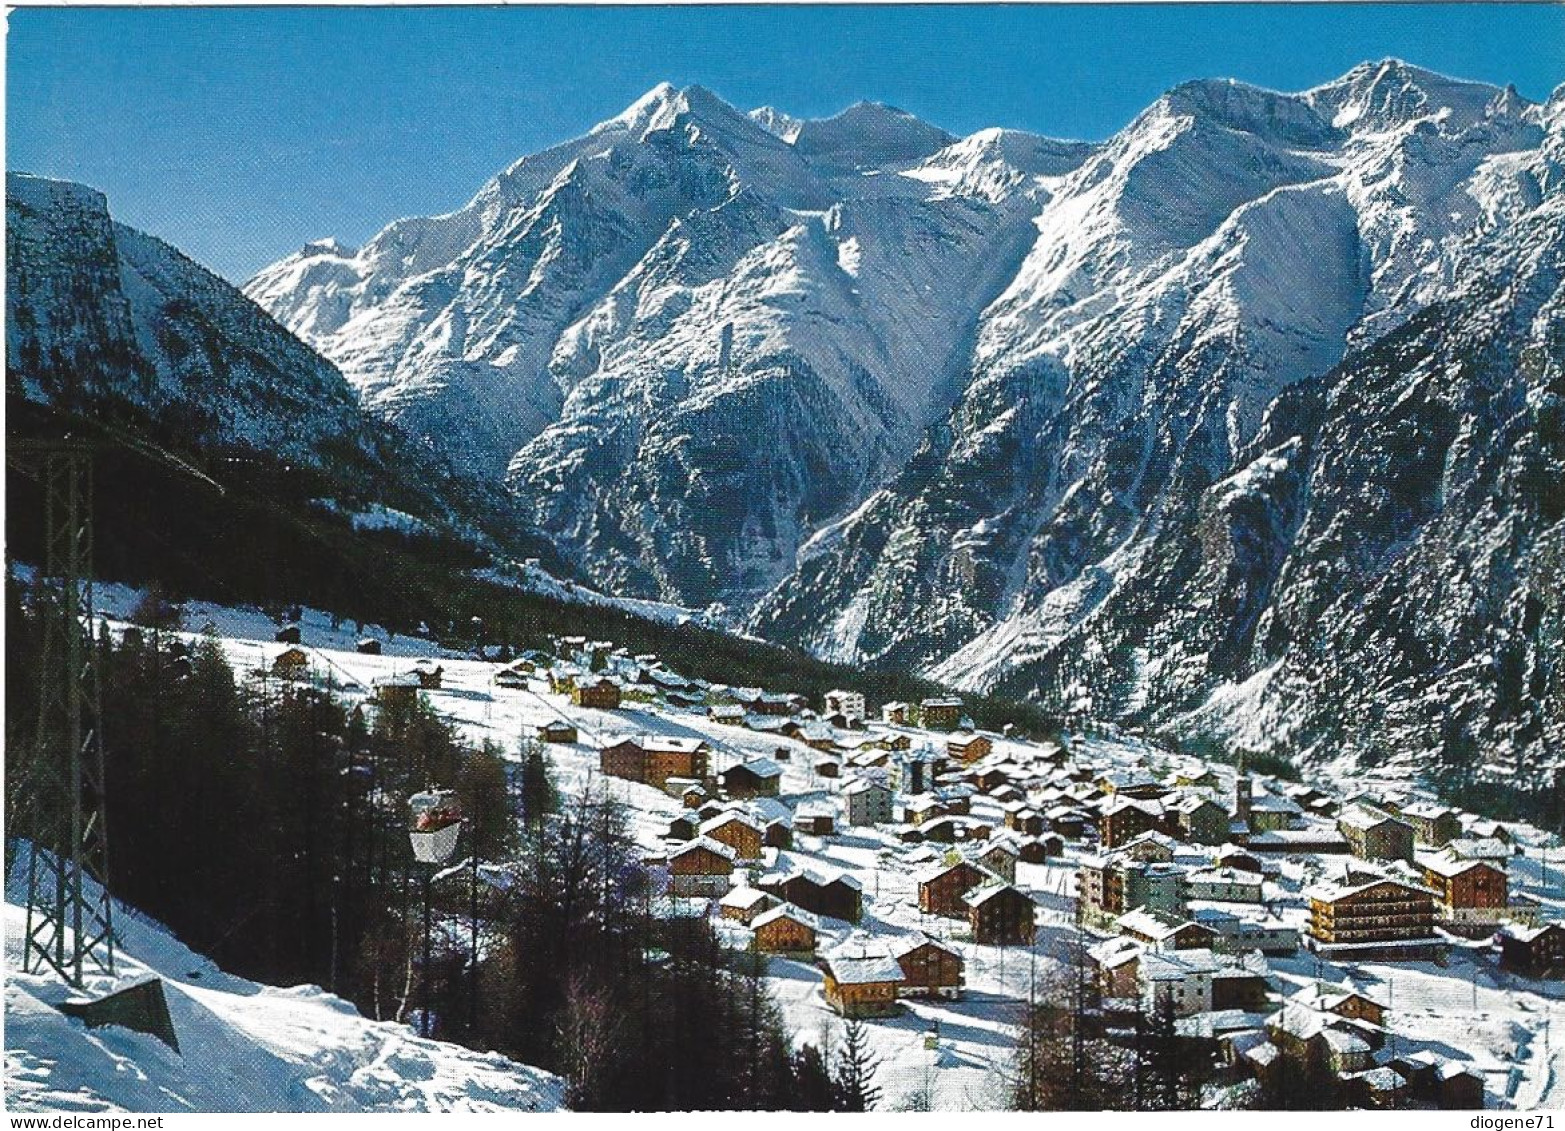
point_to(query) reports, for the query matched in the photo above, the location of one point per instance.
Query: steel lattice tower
(61, 802)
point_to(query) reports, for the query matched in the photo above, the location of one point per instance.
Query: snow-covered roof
(1225, 876)
(865, 785)
(769, 810)
(982, 894)
(1176, 965)
(1382, 1079)
(1364, 818)
(1478, 848)
(786, 911)
(1447, 867)
(657, 743)
(862, 968)
(1151, 924)
(1328, 997)
(762, 768)
(1115, 952)
(707, 843)
(743, 898)
(906, 944)
(1330, 892)
(1119, 803)
(1261, 1053)
(730, 817)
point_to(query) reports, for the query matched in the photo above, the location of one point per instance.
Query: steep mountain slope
(109, 324)
(1112, 516)
(616, 320)
(98, 310)
(968, 405)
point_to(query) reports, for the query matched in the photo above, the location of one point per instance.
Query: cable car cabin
(437, 822)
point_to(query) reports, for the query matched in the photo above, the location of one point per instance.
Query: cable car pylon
(59, 805)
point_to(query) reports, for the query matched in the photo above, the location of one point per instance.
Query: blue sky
(239, 133)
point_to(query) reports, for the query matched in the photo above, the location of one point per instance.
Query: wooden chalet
(742, 905)
(1343, 1001)
(929, 969)
(701, 867)
(1373, 917)
(940, 889)
(1039, 849)
(832, 896)
(940, 714)
(1433, 825)
(603, 693)
(1025, 820)
(291, 663)
(1536, 952)
(815, 819)
(1123, 818)
(557, 731)
(859, 983)
(653, 759)
(785, 930)
(759, 777)
(1202, 820)
(1373, 834)
(737, 831)
(1000, 857)
(396, 690)
(1000, 915)
(967, 747)
(1467, 892)
(1167, 932)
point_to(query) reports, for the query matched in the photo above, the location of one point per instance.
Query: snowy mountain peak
(870, 134)
(1004, 371)
(775, 122)
(328, 246)
(666, 106)
(1285, 119)
(1390, 93)
(651, 105)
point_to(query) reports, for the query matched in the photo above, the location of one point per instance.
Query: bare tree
(588, 1030)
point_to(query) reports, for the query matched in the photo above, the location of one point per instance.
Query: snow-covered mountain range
(1245, 420)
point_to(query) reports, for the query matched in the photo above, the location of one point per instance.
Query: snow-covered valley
(315, 1053)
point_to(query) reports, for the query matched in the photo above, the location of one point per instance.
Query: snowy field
(947, 1054)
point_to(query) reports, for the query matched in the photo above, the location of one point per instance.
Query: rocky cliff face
(96, 310)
